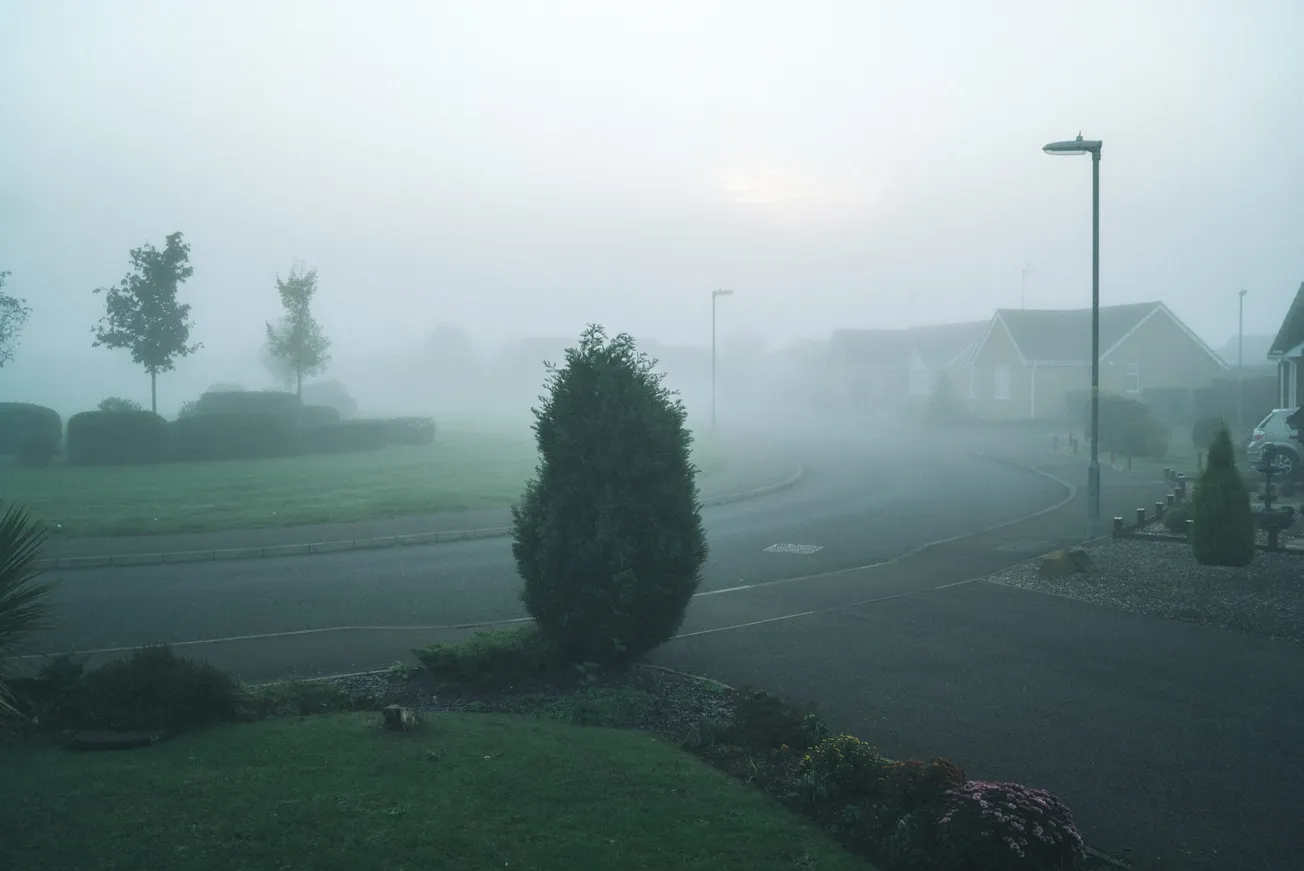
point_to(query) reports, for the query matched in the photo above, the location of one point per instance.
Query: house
(1030, 363)
(869, 367)
(938, 351)
(1287, 352)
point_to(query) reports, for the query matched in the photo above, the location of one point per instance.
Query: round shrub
(19, 420)
(608, 535)
(911, 785)
(762, 722)
(155, 688)
(331, 393)
(988, 826)
(1222, 533)
(231, 436)
(1205, 431)
(105, 438)
(853, 767)
(249, 402)
(117, 403)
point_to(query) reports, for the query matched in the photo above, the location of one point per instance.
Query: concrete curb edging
(388, 541)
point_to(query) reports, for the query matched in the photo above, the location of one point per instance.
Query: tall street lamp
(1092, 147)
(1240, 365)
(715, 294)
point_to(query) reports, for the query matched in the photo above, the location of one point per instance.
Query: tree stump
(399, 718)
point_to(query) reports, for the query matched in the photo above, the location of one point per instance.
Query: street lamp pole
(1092, 147)
(1240, 364)
(715, 295)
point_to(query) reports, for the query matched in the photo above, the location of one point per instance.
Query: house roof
(1258, 348)
(1064, 335)
(869, 347)
(943, 344)
(1291, 334)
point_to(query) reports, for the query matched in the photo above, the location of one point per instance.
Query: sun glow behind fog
(797, 195)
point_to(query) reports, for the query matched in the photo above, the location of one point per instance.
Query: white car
(1273, 430)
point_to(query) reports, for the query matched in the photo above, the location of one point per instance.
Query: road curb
(379, 543)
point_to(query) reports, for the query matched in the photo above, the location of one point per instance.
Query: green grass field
(463, 469)
(337, 792)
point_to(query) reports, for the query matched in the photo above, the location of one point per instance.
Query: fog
(492, 177)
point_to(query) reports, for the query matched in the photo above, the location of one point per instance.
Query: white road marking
(804, 549)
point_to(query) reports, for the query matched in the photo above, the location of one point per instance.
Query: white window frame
(1132, 382)
(1001, 377)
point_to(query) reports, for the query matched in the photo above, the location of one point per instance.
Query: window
(1133, 378)
(1002, 381)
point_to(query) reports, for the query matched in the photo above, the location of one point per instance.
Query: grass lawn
(463, 469)
(336, 792)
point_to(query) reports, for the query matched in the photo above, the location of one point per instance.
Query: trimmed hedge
(410, 430)
(248, 402)
(21, 420)
(318, 415)
(108, 438)
(345, 436)
(248, 435)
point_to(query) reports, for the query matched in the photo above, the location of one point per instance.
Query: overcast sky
(522, 168)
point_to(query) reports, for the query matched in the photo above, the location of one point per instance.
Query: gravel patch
(1162, 578)
(643, 698)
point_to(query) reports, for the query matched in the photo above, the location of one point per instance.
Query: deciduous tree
(13, 317)
(142, 312)
(296, 347)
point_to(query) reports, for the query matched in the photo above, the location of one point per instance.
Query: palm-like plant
(24, 604)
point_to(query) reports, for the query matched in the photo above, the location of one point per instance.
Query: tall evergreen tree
(608, 535)
(1222, 533)
(142, 312)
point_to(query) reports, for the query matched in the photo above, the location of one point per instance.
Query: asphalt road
(859, 503)
(1175, 745)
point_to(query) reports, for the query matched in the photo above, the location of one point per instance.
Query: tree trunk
(153, 392)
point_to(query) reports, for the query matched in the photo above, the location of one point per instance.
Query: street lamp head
(1073, 146)
(1242, 293)
(722, 293)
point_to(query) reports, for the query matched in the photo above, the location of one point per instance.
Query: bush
(1223, 531)
(345, 436)
(117, 403)
(944, 405)
(608, 536)
(155, 688)
(1007, 827)
(1175, 519)
(20, 420)
(235, 436)
(331, 393)
(38, 449)
(1205, 431)
(296, 698)
(410, 430)
(275, 402)
(1127, 427)
(104, 438)
(491, 659)
(853, 768)
(24, 604)
(763, 722)
(318, 415)
(913, 785)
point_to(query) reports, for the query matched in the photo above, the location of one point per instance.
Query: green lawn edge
(335, 791)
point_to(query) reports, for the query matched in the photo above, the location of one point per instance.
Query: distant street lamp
(715, 294)
(1240, 366)
(1092, 147)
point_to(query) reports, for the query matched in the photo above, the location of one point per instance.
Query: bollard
(1111, 458)
(1168, 474)
(1129, 462)
(1075, 446)
(1054, 442)
(1190, 526)
(1118, 526)
(1140, 517)
(1159, 510)
(1171, 499)
(1199, 461)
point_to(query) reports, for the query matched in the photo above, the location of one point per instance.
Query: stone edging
(388, 541)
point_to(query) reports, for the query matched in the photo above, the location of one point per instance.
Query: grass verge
(336, 792)
(464, 469)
